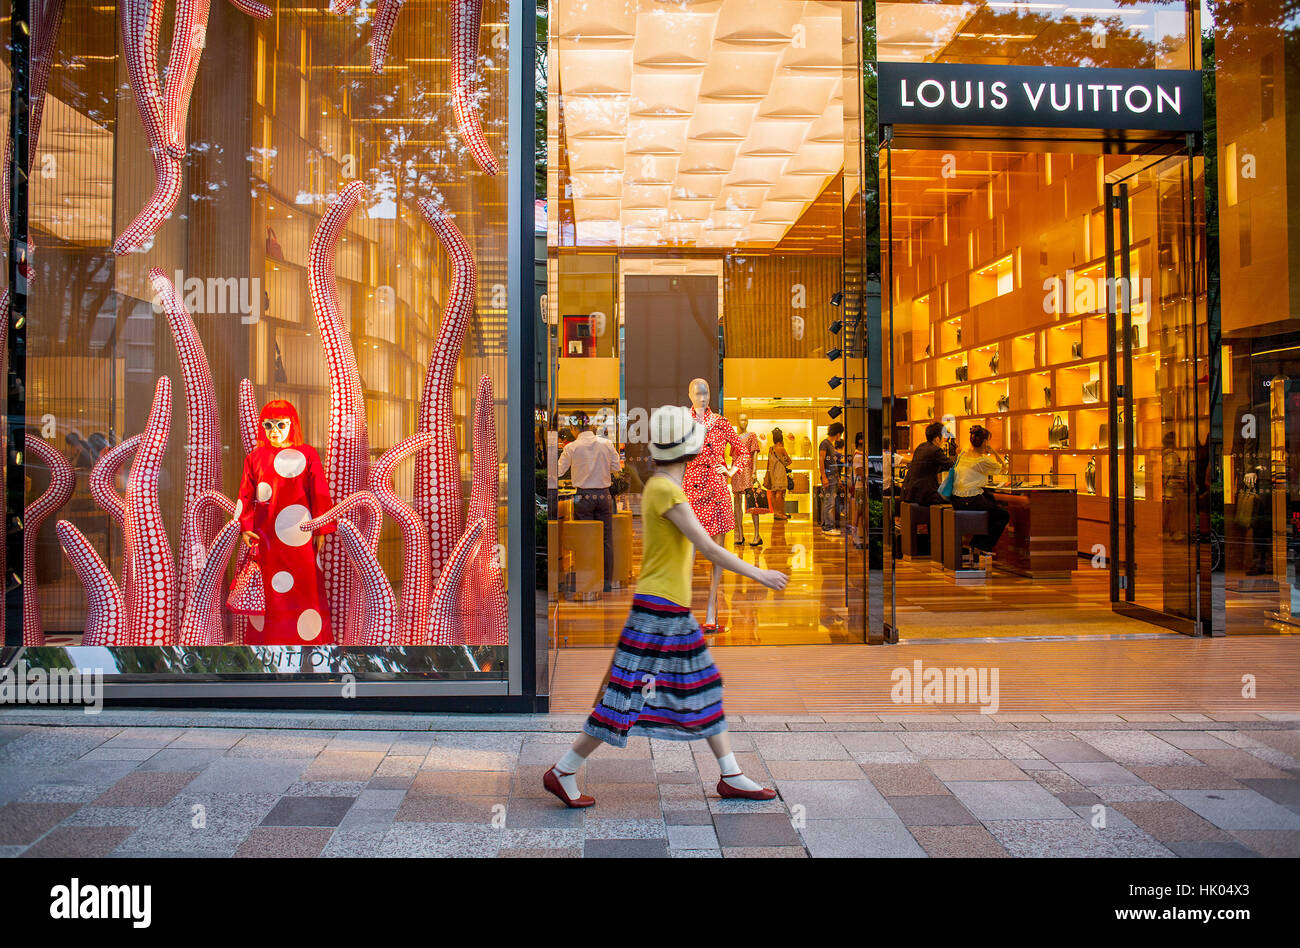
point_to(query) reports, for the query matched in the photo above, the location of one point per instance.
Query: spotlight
(834, 381)
(836, 327)
(837, 299)
(833, 354)
(835, 411)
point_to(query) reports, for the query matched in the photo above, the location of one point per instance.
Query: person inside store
(662, 643)
(858, 470)
(743, 480)
(777, 479)
(929, 460)
(970, 491)
(594, 460)
(828, 464)
(706, 483)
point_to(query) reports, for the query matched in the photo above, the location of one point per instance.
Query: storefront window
(270, 277)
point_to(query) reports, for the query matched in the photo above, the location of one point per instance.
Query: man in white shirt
(593, 459)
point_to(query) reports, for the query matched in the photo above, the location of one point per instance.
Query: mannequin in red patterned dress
(284, 485)
(707, 483)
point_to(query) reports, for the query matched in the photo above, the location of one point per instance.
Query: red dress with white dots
(705, 481)
(281, 488)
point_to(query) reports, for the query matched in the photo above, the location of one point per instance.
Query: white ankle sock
(566, 770)
(730, 771)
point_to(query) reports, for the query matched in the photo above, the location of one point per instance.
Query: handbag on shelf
(966, 405)
(1140, 480)
(1004, 403)
(1058, 433)
(1047, 395)
(1076, 350)
(1092, 392)
(929, 411)
(963, 373)
(273, 248)
(1090, 475)
(994, 362)
(247, 596)
(1103, 433)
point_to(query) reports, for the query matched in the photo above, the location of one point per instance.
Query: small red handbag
(247, 595)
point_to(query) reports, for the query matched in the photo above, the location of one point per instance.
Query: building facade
(1063, 229)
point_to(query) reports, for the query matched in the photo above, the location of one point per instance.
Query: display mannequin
(284, 485)
(742, 481)
(705, 482)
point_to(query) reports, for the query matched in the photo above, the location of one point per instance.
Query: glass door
(1156, 430)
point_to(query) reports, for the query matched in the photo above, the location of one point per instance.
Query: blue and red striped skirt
(662, 682)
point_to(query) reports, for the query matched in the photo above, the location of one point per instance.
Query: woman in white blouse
(970, 479)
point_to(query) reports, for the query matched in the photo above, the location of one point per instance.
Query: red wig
(279, 408)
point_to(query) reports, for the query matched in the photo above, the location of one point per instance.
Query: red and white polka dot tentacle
(413, 614)
(151, 589)
(189, 34)
(105, 610)
(202, 450)
(247, 416)
(62, 480)
(103, 488)
(380, 605)
(437, 468)
(466, 16)
(347, 448)
(44, 19)
(446, 613)
(202, 613)
(382, 32)
(357, 500)
(486, 611)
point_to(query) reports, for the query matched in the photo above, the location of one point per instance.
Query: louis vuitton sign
(1040, 97)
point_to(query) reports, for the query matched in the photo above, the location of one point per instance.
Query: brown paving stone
(930, 809)
(146, 788)
(540, 853)
(624, 801)
(976, 770)
(446, 809)
(898, 780)
(958, 841)
(764, 852)
(1078, 797)
(1186, 778)
(1275, 844)
(527, 781)
(343, 765)
(463, 783)
(688, 817)
(21, 824)
(79, 842)
(1238, 763)
(619, 770)
(1170, 822)
(815, 770)
(284, 842)
(1288, 742)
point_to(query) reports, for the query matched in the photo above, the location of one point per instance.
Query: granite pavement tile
(1275, 844)
(284, 842)
(861, 838)
(208, 738)
(433, 839)
(231, 775)
(327, 788)
(1065, 751)
(78, 842)
(280, 745)
(308, 811)
(1071, 838)
(972, 769)
(626, 849)
(1008, 800)
(445, 810)
(939, 746)
(343, 765)
(536, 813)
(835, 799)
(1100, 773)
(1188, 778)
(92, 815)
(596, 828)
(1238, 809)
(815, 770)
(1135, 747)
(1169, 821)
(1190, 740)
(468, 783)
(23, 823)
(1285, 792)
(145, 789)
(692, 837)
(542, 838)
(1238, 763)
(1213, 849)
(194, 760)
(958, 842)
(625, 801)
(930, 809)
(764, 852)
(779, 746)
(201, 823)
(755, 829)
(696, 817)
(903, 779)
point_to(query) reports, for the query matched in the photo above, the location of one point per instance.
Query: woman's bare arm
(683, 517)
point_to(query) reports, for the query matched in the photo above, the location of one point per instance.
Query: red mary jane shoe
(728, 792)
(552, 783)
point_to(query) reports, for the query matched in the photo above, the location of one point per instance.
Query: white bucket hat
(674, 434)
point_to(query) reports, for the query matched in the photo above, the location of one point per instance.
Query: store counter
(1041, 540)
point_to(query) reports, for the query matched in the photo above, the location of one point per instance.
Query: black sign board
(1040, 97)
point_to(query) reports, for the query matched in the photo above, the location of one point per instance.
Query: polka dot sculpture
(413, 613)
(446, 610)
(163, 105)
(347, 448)
(466, 16)
(103, 488)
(376, 619)
(202, 453)
(62, 481)
(486, 619)
(201, 613)
(105, 609)
(151, 587)
(437, 469)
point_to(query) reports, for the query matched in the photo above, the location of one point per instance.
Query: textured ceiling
(707, 124)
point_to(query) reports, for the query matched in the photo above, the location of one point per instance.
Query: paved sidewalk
(159, 783)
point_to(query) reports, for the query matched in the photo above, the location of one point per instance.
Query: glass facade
(230, 218)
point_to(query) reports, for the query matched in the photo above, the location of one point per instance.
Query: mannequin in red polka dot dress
(284, 485)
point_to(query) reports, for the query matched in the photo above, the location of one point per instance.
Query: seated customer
(971, 477)
(921, 486)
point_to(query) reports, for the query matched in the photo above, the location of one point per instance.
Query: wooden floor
(1163, 673)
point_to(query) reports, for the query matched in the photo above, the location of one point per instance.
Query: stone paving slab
(1155, 784)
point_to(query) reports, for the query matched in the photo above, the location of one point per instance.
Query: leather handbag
(756, 500)
(1047, 395)
(1244, 514)
(962, 373)
(247, 595)
(273, 248)
(1090, 475)
(994, 362)
(1103, 433)
(966, 405)
(1092, 392)
(1058, 433)
(1076, 350)
(1004, 403)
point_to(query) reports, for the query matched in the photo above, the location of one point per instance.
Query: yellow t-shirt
(666, 554)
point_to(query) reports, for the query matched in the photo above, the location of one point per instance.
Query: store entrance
(1048, 301)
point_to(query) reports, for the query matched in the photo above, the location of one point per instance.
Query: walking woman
(776, 478)
(662, 682)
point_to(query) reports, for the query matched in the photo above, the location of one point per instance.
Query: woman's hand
(773, 579)
(249, 538)
(318, 542)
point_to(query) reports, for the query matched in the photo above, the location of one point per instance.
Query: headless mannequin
(738, 498)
